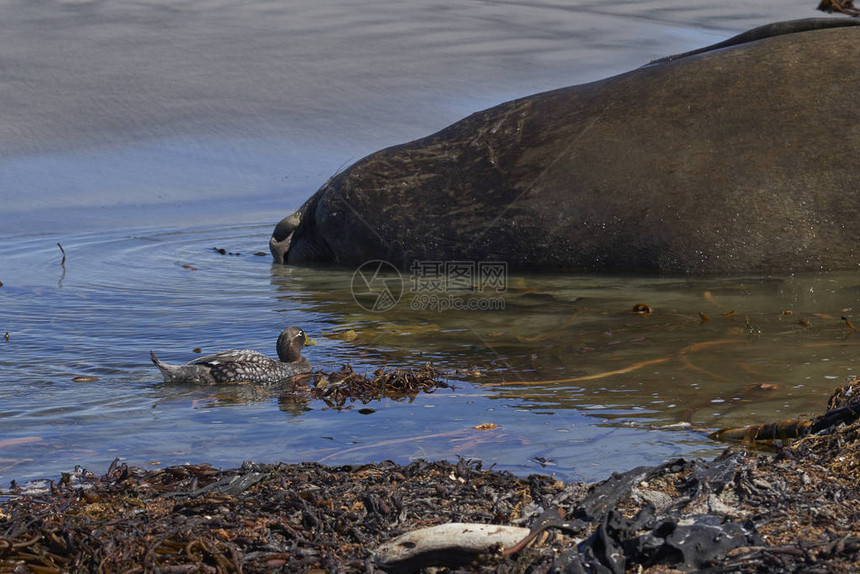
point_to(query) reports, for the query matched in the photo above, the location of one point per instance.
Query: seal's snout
(279, 249)
(279, 243)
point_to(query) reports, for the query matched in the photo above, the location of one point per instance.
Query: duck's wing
(241, 367)
(232, 357)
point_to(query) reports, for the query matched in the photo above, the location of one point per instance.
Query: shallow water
(120, 294)
(141, 135)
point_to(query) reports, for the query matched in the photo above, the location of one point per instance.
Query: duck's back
(246, 366)
(240, 356)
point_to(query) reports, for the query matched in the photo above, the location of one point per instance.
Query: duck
(243, 366)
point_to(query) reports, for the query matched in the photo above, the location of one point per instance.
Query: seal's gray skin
(735, 160)
(243, 366)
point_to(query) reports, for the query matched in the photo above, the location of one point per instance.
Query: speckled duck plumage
(243, 366)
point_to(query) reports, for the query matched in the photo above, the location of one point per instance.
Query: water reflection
(713, 352)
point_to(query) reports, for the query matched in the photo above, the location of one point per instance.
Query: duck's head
(290, 343)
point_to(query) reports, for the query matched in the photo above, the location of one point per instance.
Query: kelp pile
(257, 518)
(742, 512)
(336, 389)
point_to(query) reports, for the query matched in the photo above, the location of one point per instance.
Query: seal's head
(279, 243)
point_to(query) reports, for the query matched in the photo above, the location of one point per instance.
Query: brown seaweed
(796, 511)
(336, 389)
(843, 407)
(842, 6)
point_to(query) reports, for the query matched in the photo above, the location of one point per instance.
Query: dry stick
(434, 545)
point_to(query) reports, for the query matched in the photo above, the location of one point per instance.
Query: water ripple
(556, 369)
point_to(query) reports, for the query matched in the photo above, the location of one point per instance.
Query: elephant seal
(735, 159)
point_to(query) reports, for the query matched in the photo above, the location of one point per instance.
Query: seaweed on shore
(742, 512)
(252, 519)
